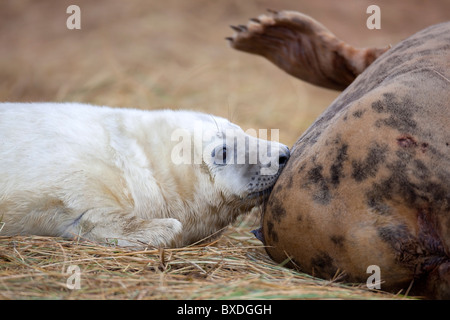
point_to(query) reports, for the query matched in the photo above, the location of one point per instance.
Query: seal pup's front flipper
(125, 229)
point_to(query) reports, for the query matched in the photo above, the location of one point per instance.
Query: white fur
(100, 173)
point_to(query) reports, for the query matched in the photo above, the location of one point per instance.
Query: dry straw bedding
(232, 266)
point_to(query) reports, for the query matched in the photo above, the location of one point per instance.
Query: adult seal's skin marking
(99, 173)
(368, 182)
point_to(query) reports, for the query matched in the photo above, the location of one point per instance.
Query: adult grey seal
(369, 182)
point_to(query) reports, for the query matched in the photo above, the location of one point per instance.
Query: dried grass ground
(172, 54)
(233, 266)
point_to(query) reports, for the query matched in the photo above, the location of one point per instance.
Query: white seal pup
(159, 178)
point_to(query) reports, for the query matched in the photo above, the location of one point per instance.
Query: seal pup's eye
(220, 155)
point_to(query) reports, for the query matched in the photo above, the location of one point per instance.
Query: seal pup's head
(235, 171)
(242, 165)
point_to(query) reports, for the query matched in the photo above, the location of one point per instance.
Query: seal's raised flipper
(304, 48)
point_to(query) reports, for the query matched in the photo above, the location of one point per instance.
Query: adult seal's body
(369, 182)
(158, 178)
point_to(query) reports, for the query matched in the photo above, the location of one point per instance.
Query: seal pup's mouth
(262, 185)
(263, 197)
(263, 194)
